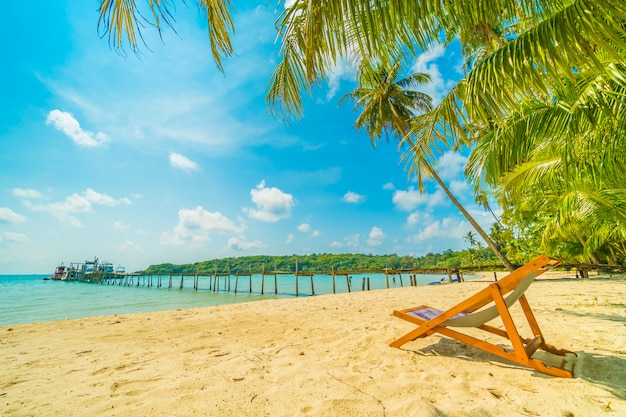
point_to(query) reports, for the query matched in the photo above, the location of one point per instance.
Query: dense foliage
(326, 262)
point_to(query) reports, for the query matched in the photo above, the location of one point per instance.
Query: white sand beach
(316, 356)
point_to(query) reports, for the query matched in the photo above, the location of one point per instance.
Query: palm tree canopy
(387, 102)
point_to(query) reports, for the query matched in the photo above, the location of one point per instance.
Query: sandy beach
(316, 356)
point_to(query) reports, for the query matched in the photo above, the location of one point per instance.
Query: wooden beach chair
(484, 306)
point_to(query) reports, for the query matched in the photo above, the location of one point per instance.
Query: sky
(161, 158)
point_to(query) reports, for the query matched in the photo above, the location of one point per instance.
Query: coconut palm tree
(387, 105)
(527, 59)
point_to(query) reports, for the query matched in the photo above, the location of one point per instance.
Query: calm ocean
(29, 299)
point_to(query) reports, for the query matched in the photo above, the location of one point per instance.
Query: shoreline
(316, 356)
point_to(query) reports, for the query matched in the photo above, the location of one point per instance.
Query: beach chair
(484, 306)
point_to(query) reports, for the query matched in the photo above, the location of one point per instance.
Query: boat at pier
(60, 273)
(88, 271)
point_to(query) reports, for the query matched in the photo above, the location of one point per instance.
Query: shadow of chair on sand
(608, 371)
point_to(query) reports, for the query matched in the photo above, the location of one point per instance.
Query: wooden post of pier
(312, 288)
(170, 285)
(387, 276)
(250, 281)
(348, 283)
(262, 278)
(333, 275)
(400, 275)
(368, 283)
(296, 277)
(275, 280)
(236, 282)
(182, 281)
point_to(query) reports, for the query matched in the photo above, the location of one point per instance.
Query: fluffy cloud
(10, 237)
(9, 216)
(445, 228)
(351, 241)
(182, 162)
(26, 193)
(120, 226)
(67, 124)
(452, 166)
(78, 203)
(438, 87)
(351, 197)
(239, 245)
(375, 237)
(131, 247)
(196, 226)
(304, 228)
(272, 204)
(411, 198)
(418, 218)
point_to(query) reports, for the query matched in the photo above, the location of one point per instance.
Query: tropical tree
(545, 82)
(387, 105)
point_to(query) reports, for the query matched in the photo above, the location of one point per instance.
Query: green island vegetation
(539, 112)
(326, 262)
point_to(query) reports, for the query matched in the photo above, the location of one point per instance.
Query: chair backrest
(480, 317)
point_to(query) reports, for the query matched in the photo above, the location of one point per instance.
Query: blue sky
(162, 158)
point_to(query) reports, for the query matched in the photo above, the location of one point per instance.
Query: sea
(30, 298)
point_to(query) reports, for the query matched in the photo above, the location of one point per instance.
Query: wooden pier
(243, 281)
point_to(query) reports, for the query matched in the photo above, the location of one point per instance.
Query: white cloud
(445, 228)
(389, 186)
(459, 188)
(10, 237)
(290, 238)
(304, 228)
(438, 87)
(9, 216)
(452, 166)
(407, 200)
(182, 162)
(342, 69)
(103, 199)
(129, 246)
(120, 226)
(272, 204)
(315, 233)
(375, 237)
(418, 218)
(196, 226)
(77, 203)
(240, 245)
(67, 124)
(27, 193)
(352, 241)
(411, 198)
(336, 244)
(351, 197)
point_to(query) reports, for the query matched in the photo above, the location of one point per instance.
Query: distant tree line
(326, 262)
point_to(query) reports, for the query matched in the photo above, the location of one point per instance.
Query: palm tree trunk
(464, 212)
(469, 218)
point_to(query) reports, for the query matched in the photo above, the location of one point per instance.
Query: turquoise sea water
(28, 298)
